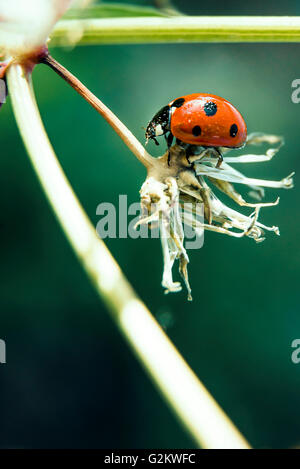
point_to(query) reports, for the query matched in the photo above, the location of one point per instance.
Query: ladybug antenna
(152, 138)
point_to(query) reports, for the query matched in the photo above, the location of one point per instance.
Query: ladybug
(199, 120)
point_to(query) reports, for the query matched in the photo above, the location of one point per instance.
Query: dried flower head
(172, 184)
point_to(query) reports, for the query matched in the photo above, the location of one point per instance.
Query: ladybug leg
(192, 153)
(220, 157)
(169, 140)
(189, 152)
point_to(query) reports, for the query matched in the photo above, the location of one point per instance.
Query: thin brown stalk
(128, 138)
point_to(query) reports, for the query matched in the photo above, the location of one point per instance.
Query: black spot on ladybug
(233, 130)
(178, 102)
(210, 108)
(196, 130)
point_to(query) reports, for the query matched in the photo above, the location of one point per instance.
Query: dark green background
(70, 380)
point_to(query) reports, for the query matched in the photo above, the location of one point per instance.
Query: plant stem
(177, 29)
(191, 402)
(128, 138)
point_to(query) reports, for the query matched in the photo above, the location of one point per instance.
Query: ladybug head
(159, 125)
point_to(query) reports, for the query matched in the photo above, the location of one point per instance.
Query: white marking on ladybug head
(159, 130)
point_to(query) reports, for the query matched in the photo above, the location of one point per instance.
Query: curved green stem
(177, 29)
(187, 397)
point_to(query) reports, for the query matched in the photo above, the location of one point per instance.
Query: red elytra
(208, 120)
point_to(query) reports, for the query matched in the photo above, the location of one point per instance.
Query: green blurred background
(70, 379)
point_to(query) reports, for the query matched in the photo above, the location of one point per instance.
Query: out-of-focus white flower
(26, 24)
(166, 188)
